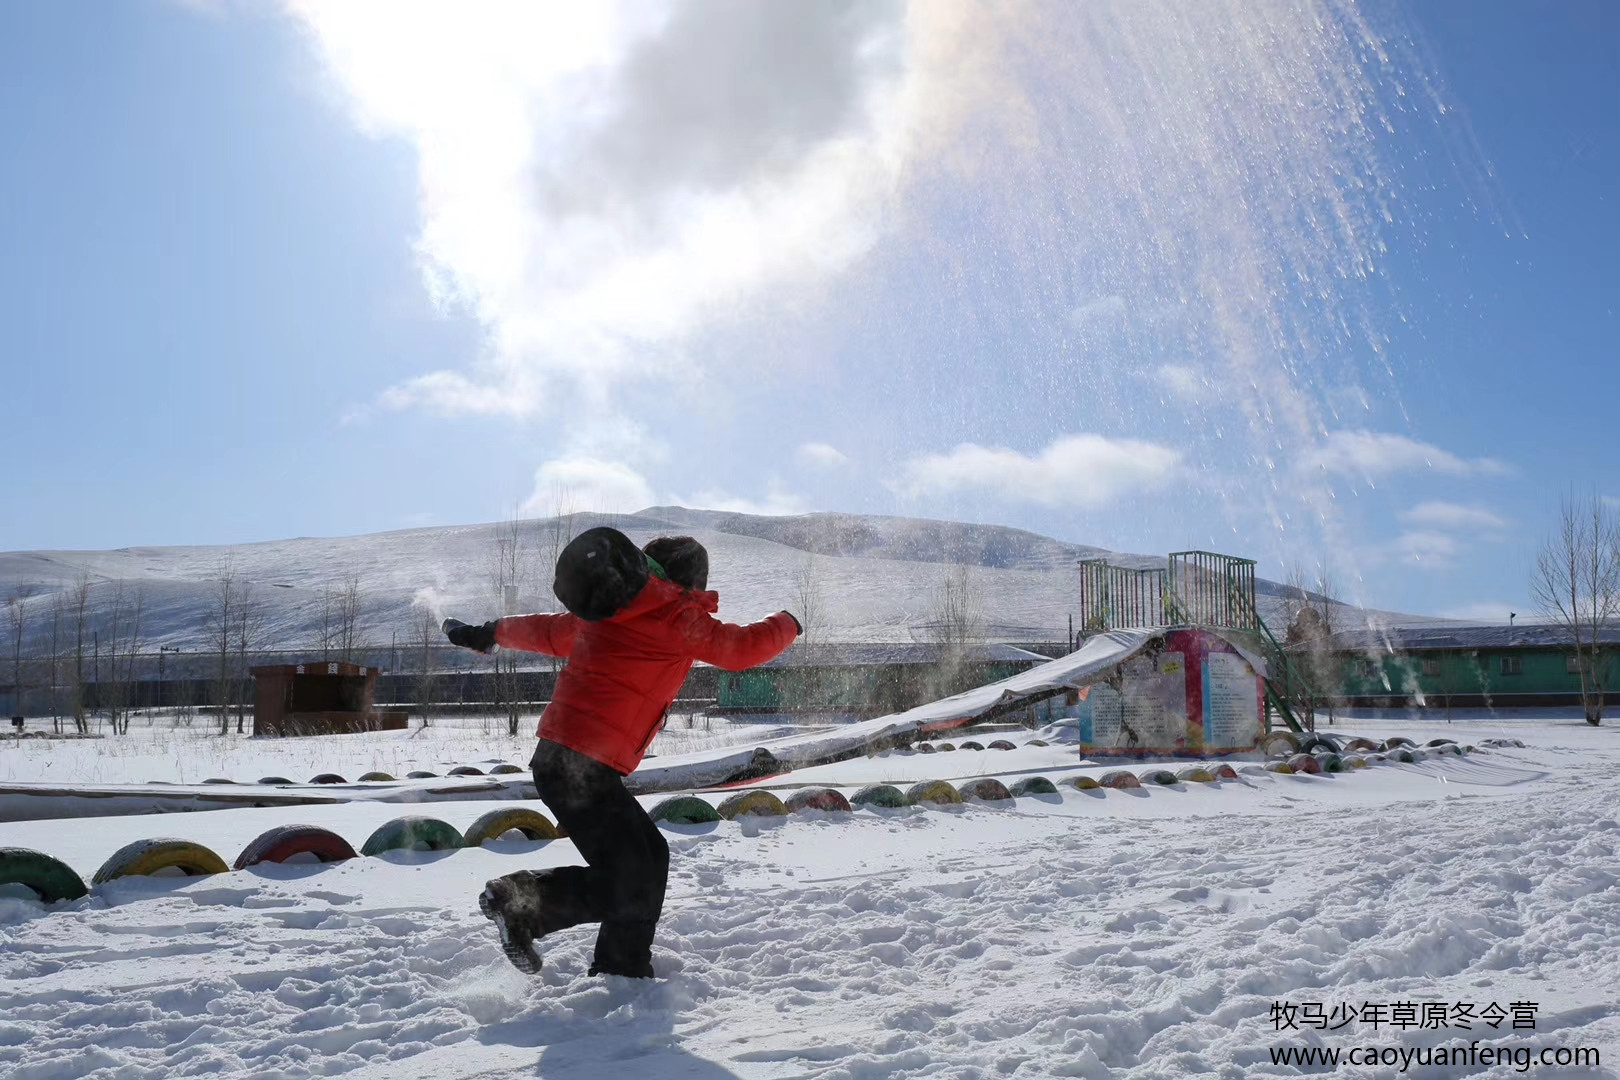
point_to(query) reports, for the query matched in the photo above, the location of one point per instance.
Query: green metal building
(1465, 666)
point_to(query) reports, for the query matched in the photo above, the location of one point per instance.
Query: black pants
(623, 886)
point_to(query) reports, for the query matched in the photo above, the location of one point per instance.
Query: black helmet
(685, 561)
(598, 573)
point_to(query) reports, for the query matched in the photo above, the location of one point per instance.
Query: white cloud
(598, 180)
(1378, 453)
(452, 394)
(777, 502)
(1445, 515)
(1081, 470)
(1182, 381)
(1100, 314)
(821, 455)
(1425, 546)
(588, 484)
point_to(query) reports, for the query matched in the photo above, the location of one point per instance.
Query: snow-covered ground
(1118, 933)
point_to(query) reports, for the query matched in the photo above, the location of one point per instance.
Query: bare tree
(958, 623)
(79, 612)
(812, 682)
(124, 646)
(247, 624)
(348, 640)
(958, 609)
(1576, 585)
(1313, 609)
(505, 566)
(425, 636)
(555, 534)
(17, 627)
(53, 658)
(221, 621)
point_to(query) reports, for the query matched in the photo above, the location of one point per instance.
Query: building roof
(833, 654)
(1420, 638)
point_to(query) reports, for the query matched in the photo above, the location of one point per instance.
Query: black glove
(798, 626)
(477, 638)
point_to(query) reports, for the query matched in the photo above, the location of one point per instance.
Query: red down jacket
(624, 671)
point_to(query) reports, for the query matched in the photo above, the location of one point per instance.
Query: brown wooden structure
(322, 698)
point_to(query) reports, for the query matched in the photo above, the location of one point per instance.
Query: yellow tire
(752, 804)
(150, 856)
(933, 791)
(531, 823)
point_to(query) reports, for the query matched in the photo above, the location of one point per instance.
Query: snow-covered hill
(876, 577)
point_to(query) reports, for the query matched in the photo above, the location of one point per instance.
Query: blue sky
(269, 272)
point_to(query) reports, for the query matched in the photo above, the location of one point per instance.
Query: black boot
(513, 904)
(624, 947)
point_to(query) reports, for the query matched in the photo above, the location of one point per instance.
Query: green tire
(1033, 785)
(883, 796)
(51, 879)
(411, 834)
(684, 810)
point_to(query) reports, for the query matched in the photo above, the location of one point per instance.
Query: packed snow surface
(1110, 933)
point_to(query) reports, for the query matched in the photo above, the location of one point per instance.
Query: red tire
(817, 799)
(284, 841)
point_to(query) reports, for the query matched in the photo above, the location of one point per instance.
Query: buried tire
(506, 768)
(985, 789)
(1196, 774)
(50, 879)
(1279, 744)
(274, 780)
(883, 796)
(751, 804)
(937, 792)
(285, 841)
(327, 778)
(684, 810)
(1033, 785)
(366, 778)
(412, 834)
(491, 826)
(145, 857)
(465, 770)
(1119, 779)
(817, 799)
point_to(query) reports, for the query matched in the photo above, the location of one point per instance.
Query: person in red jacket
(636, 622)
